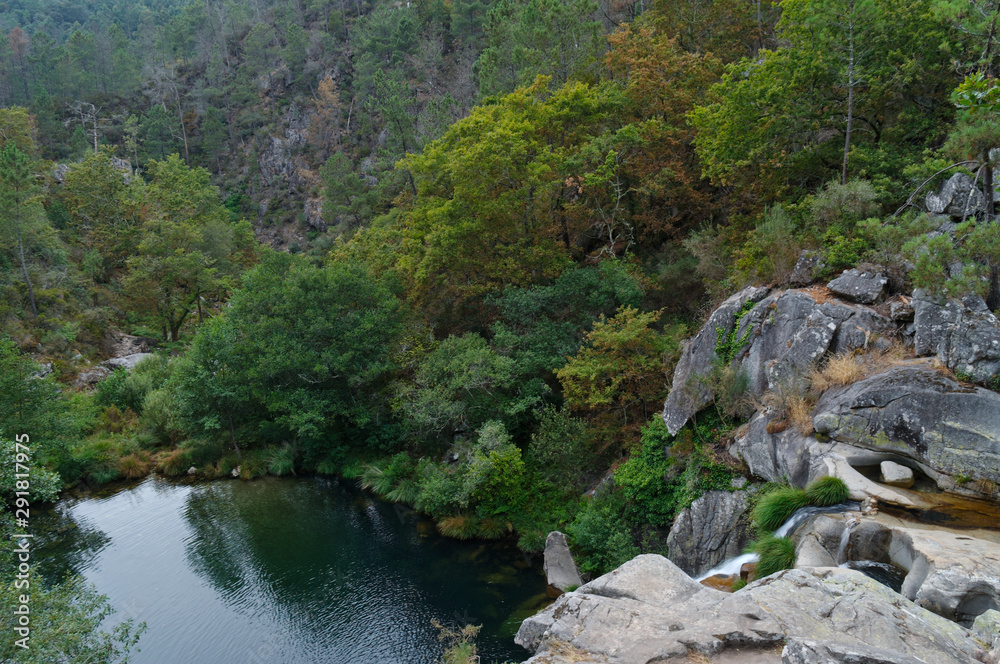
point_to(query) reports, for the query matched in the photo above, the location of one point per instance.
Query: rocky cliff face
(913, 412)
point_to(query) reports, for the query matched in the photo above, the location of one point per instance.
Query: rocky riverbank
(840, 377)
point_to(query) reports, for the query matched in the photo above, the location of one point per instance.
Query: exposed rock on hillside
(963, 334)
(771, 338)
(650, 610)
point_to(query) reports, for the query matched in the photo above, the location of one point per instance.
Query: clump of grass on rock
(827, 491)
(776, 554)
(774, 508)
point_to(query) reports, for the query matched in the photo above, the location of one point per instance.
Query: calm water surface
(289, 571)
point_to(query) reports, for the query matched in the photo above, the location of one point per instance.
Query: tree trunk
(24, 267)
(850, 90)
(232, 434)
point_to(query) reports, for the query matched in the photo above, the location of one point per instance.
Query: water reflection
(296, 571)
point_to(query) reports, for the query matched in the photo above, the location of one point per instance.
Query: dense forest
(448, 248)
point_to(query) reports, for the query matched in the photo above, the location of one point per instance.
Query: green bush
(282, 461)
(827, 491)
(774, 508)
(776, 554)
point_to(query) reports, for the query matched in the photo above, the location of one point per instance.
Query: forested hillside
(450, 248)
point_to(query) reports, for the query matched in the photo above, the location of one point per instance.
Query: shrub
(776, 554)
(774, 508)
(827, 491)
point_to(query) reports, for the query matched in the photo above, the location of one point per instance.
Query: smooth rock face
(713, 529)
(957, 198)
(894, 474)
(963, 334)
(863, 286)
(560, 568)
(919, 413)
(648, 610)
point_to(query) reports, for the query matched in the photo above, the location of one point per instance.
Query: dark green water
(289, 571)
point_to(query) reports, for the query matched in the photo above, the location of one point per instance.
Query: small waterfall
(845, 537)
(732, 566)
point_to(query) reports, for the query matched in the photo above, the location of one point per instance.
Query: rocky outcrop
(963, 334)
(808, 268)
(127, 362)
(862, 286)
(948, 429)
(957, 198)
(560, 569)
(712, 529)
(772, 339)
(650, 610)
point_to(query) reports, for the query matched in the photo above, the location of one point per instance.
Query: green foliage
(728, 344)
(69, 616)
(827, 491)
(560, 448)
(458, 386)
(300, 354)
(129, 389)
(600, 535)
(776, 554)
(646, 479)
(619, 374)
(773, 509)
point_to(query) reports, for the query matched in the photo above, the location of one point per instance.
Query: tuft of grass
(175, 463)
(406, 491)
(827, 491)
(842, 369)
(776, 554)
(492, 528)
(224, 466)
(282, 461)
(375, 479)
(458, 526)
(739, 584)
(774, 508)
(135, 465)
(800, 410)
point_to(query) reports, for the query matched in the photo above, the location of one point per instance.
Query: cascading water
(732, 566)
(845, 538)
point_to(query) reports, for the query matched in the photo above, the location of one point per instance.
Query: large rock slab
(963, 334)
(712, 529)
(648, 610)
(560, 568)
(863, 286)
(952, 431)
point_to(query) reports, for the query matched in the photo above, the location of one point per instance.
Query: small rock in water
(869, 506)
(747, 570)
(236, 471)
(192, 471)
(895, 474)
